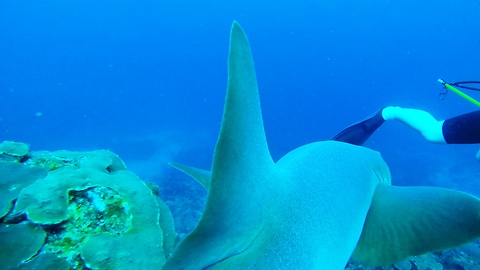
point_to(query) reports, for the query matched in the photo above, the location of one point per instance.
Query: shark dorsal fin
(242, 136)
(241, 156)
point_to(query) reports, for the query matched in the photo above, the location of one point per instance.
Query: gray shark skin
(314, 208)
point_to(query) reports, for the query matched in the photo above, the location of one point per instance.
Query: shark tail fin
(410, 221)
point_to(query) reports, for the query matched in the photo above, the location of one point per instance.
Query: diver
(462, 129)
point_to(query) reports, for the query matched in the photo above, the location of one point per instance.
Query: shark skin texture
(316, 207)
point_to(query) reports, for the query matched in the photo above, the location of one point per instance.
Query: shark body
(314, 208)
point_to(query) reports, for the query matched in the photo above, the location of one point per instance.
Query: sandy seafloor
(147, 81)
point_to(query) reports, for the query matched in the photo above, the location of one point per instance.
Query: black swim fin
(360, 132)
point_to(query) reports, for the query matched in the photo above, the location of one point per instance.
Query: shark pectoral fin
(409, 221)
(201, 176)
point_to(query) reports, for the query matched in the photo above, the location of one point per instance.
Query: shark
(315, 208)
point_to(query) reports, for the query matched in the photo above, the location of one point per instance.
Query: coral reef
(79, 210)
(12, 251)
(85, 210)
(13, 150)
(14, 177)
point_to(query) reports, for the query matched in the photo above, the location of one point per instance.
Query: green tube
(460, 93)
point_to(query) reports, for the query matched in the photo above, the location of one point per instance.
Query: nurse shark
(316, 207)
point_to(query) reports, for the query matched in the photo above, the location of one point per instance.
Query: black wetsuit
(462, 129)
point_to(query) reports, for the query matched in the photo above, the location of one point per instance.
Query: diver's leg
(421, 121)
(462, 129)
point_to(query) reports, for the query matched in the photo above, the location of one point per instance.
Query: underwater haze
(147, 79)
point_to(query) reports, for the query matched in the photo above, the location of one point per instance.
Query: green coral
(103, 208)
(14, 177)
(49, 161)
(95, 213)
(90, 211)
(99, 159)
(45, 261)
(13, 151)
(12, 251)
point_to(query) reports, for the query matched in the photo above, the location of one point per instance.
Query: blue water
(147, 79)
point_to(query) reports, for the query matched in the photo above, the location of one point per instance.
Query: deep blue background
(147, 79)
